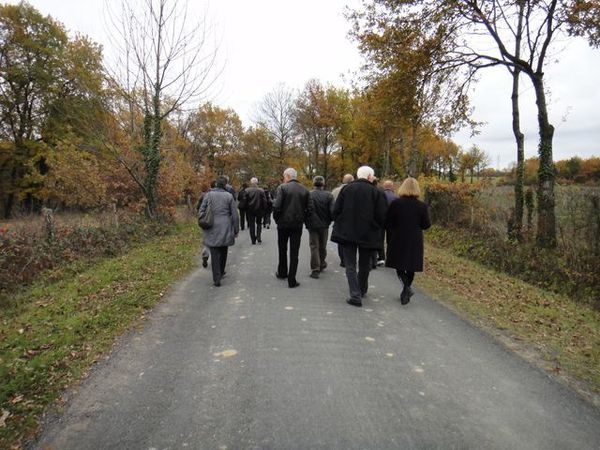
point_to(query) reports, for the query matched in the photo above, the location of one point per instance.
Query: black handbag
(205, 218)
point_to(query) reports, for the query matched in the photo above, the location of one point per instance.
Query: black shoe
(217, 283)
(354, 303)
(407, 293)
(294, 284)
(279, 276)
(323, 267)
(205, 261)
(314, 274)
(259, 241)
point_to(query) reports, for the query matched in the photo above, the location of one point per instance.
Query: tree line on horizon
(78, 133)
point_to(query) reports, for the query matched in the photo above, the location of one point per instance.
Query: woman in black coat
(405, 221)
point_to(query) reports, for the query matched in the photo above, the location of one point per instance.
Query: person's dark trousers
(267, 219)
(255, 226)
(381, 250)
(294, 235)
(218, 259)
(341, 254)
(242, 219)
(317, 240)
(358, 283)
(406, 276)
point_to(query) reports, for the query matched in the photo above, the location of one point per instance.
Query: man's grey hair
(254, 181)
(291, 172)
(365, 172)
(348, 178)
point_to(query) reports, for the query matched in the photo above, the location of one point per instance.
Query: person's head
(289, 174)
(388, 185)
(409, 188)
(254, 181)
(366, 173)
(221, 181)
(213, 184)
(318, 181)
(348, 178)
(244, 185)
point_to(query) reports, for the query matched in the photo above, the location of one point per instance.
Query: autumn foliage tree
(48, 83)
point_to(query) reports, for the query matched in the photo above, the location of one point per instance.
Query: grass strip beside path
(550, 330)
(55, 331)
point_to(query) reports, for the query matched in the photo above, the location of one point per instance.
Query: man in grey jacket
(291, 209)
(318, 226)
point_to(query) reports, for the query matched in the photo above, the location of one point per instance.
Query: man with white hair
(256, 204)
(291, 209)
(359, 215)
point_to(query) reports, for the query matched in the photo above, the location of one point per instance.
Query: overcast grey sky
(267, 42)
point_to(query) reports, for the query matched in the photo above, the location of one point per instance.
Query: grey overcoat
(226, 220)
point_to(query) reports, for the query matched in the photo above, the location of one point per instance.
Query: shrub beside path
(254, 364)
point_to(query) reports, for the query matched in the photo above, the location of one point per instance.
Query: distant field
(574, 208)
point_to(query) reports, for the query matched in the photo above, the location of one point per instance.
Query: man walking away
(205, 252)
(359, 215)
(222, 234)
(242, 205)
(348, 178)
(318, 226)
(256, 203)
(268, 209)
(291, 209)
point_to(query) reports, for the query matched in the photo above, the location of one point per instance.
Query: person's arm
(425, 220)
(203, 205)
(278, 204)
(338, 205)
(234, 216)
(330, 204)
(380, 208)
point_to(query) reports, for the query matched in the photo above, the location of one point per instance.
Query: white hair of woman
(365, 172)
(291, 173)
(254, 181)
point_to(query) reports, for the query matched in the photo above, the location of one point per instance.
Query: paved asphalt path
(254, 364)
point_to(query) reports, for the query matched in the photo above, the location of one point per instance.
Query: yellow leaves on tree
(74, 178)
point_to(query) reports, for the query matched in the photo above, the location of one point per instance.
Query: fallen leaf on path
(370, 339)
(226, 353)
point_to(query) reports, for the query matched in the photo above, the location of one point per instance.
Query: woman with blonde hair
(406, 218)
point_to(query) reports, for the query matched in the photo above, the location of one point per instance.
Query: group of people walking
(370, 224)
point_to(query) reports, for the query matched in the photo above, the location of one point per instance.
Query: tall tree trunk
(401, 151)
(517, 226)
(546, 228)
(412, 165)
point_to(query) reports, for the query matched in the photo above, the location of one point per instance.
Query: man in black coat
(318, 226)
(256, 203)
(359, 217)
(242, 205)
(291, 208)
